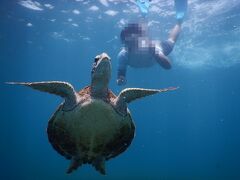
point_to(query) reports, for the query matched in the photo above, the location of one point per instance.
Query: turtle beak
(103, 65)
(105, 57)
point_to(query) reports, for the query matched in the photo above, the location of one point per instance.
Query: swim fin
(180, 8)
(143, 5)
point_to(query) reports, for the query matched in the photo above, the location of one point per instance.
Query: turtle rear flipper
(74, 165)
(99, 164)
(60, 88)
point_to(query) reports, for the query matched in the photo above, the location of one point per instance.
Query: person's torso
(142, 56)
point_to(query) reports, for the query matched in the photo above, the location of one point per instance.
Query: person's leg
(161, 58)
(168, 45)
(174, 33)
(163, 61)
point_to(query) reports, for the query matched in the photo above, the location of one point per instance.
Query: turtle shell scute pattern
(60, 139)
(121, 142)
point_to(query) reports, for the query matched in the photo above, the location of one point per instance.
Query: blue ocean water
(191, 133)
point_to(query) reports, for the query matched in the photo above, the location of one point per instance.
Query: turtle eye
(96, 59)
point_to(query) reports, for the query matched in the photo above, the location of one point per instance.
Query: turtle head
(101, 73)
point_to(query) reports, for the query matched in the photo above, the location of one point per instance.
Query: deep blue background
(191, 133)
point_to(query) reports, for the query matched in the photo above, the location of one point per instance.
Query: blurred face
(131, 40)
(130, 35)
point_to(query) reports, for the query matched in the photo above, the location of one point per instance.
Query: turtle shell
(70, 145)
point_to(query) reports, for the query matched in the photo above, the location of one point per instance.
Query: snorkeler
(139, 51)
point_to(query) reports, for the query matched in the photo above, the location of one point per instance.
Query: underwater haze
(190, 133)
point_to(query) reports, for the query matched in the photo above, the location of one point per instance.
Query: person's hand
(121, 80)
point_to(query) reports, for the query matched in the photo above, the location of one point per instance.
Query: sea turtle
(92, 125)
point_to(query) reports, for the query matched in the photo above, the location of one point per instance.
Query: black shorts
(167, 47)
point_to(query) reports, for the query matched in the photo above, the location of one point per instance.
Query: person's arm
(122, 67)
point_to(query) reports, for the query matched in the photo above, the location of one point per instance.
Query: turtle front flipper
(63, 89)
(130, 94)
